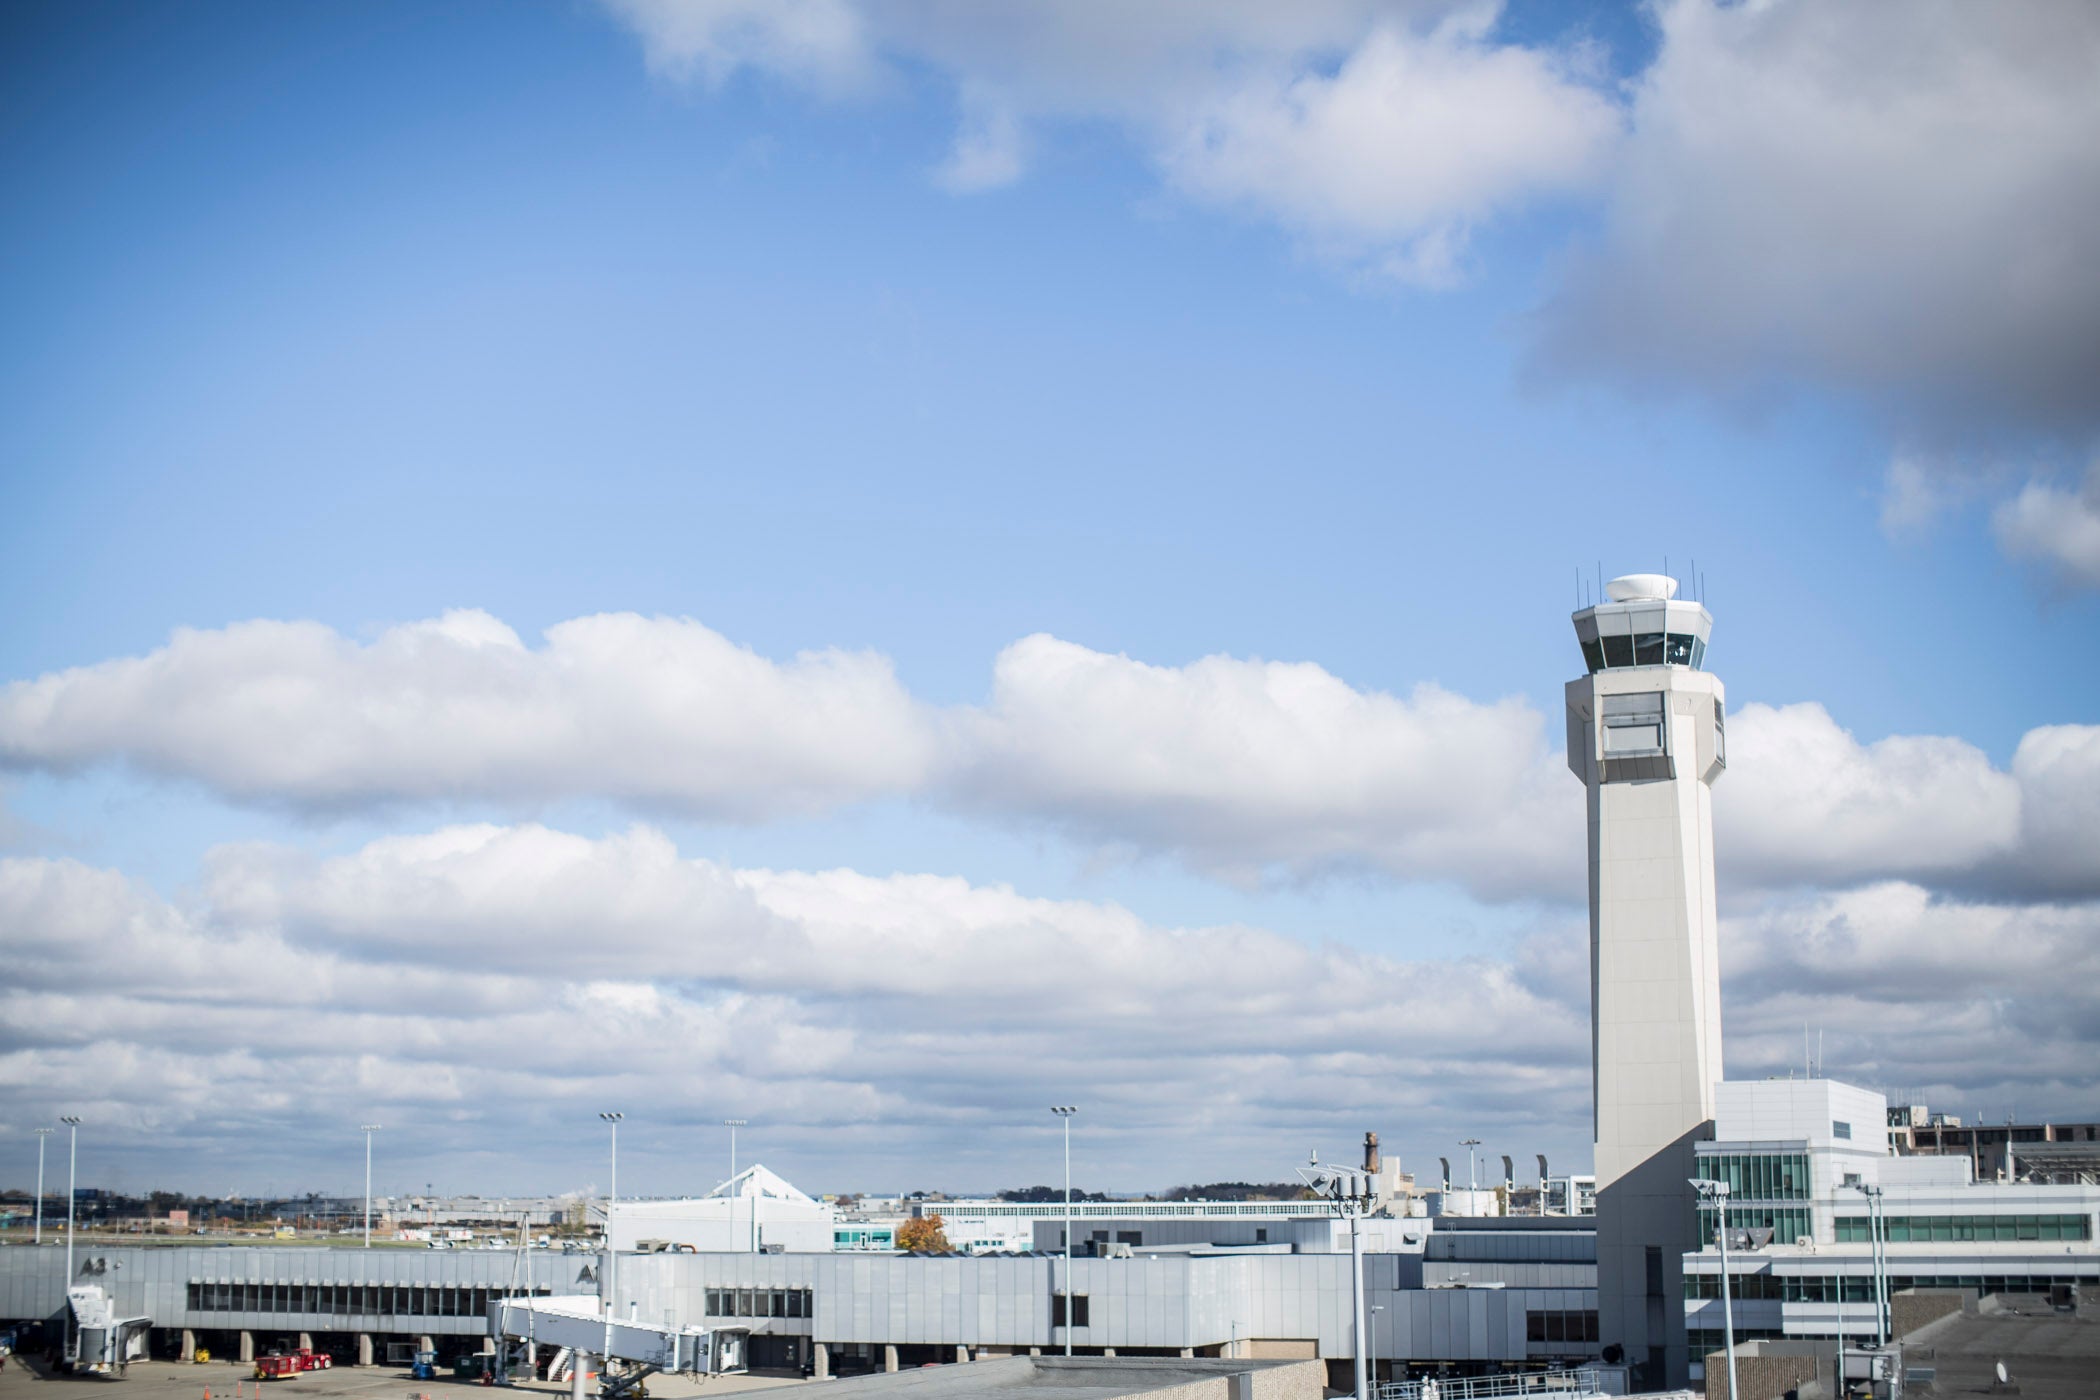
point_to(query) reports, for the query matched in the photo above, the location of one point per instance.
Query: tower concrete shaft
(1647, 735)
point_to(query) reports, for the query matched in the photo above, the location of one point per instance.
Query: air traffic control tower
(1646, 736)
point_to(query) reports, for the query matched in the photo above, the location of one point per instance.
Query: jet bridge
(579, 1324)
(100, 1340)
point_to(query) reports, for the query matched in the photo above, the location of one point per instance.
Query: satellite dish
(2003, 1379)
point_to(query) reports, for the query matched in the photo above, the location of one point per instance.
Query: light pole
(1349, 1190)
(1472, 1171)
(1376, 1308)
(1876, 1261)
(1715, 1194)
(1065, 1112)
(1840, 1271)
(612, 1196)
(733, 1124)
(41, 1134)
(368, 1129)
(72, 1187)
(72, 1194)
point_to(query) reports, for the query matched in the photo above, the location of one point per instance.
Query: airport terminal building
(1808, 1161)
(1454, 1294)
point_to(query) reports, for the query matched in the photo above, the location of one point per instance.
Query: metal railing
(1561, 1385)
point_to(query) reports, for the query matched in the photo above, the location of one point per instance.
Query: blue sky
(913, 335)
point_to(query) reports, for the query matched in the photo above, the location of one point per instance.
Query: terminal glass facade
(760, 1302)
(1757, 1182)
(1561, 1325)
(1857, 1229)
(1758, 1176)
(1859, 1288)
(348, 1299)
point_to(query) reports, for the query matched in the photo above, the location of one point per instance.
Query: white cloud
(2058, 768)
(1897, 204)
(1957, 1001)
(1394, 156)
(649, 710)
(1249, 770)
(1244, 766)
(1892, 207)
(2059, 528)
(463, 986)
(471, 972)
(1804, 802)
(1382, 131)
(819, 43)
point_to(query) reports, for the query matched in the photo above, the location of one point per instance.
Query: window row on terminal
(349, 1299)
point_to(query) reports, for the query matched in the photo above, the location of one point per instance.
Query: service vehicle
(275, 1367)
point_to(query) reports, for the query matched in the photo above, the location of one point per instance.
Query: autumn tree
(924, 1234)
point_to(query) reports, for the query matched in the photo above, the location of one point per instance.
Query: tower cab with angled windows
(1647, 737)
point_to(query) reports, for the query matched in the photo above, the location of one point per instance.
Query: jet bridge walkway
(579, 1325)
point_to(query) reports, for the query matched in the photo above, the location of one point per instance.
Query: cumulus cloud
(1956, 1001)
(1791, 193)
(1242, 766)
(1249, 770)
(819, 43)
(2058, 528)
(1382, 131)
(1892, 208)
(899, 1020)
(1393, 157)
(836, 1000)
(1807, 802)
(2058, 769)
(651, 710)
(1897, 205)
(1253, 769)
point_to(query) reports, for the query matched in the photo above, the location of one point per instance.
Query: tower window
(1633, 724)
(1618, 651)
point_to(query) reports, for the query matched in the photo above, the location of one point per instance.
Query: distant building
(1993, 1149)
(754, 1212)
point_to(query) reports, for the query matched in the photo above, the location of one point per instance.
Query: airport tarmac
(225, 1380)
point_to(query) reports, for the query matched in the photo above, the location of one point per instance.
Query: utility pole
(1349, 1190)
(368, 1129)
(605, 1281)
(733, 1124)
(1065, 1112)
(1715, 1194)
(72, 1196)
(41, 1135)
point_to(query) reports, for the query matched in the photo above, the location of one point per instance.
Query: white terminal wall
(1801, 1110)
(721, 1224)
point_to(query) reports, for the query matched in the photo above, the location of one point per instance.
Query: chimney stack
(1371, 1163)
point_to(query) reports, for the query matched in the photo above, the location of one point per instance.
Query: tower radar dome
(1634, 588)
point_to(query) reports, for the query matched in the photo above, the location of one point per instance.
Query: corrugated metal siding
(1167, 1302)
